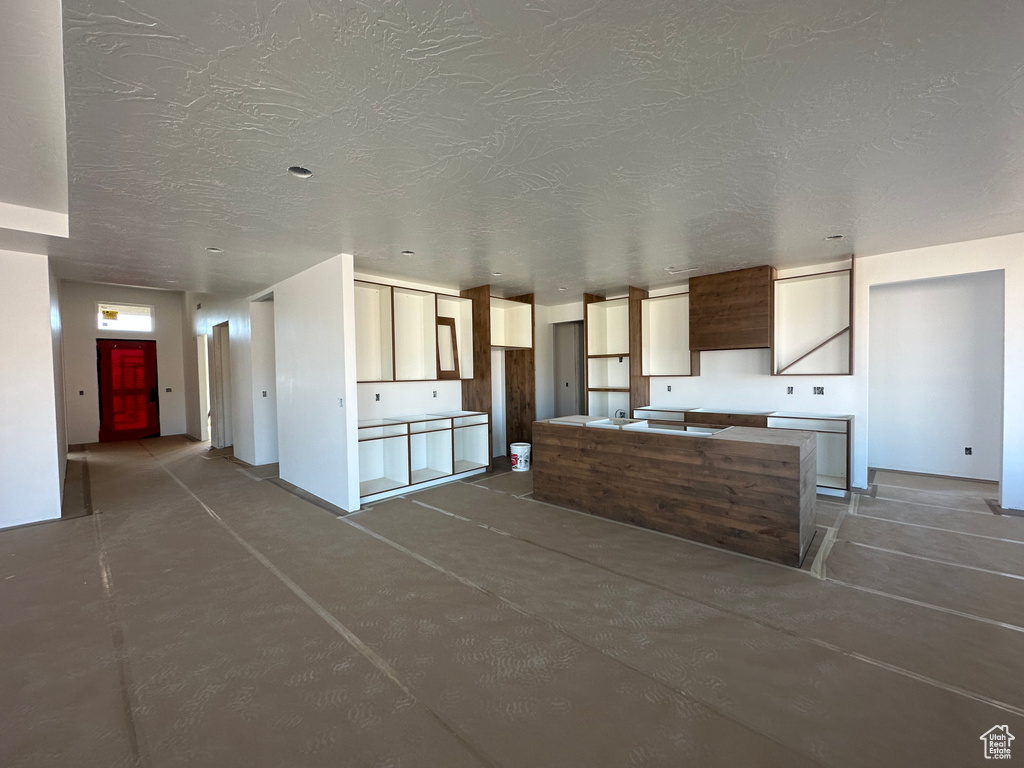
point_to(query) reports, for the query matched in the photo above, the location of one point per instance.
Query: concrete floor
(205, 616)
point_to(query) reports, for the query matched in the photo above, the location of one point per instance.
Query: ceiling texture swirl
(563, 143)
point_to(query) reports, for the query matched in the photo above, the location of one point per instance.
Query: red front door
(128, 395)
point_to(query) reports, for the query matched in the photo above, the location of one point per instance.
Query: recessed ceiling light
(408, 253)
(299, 172)
(496, 274)
(834, 237)
(214, 249)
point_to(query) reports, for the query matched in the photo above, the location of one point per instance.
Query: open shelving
(383, 456)
(460, 310)
(415, 314)
(665, 337)
(812, 326)
(608, 359)
(374, 350)
(833, 444)
(511, 323)
(397, 453)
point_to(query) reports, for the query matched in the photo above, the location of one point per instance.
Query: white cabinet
(607, 346)
(460, 310)
(383, 456)
(608, 327)
(665, 337)
(833, 450)
(811, 328)
(374, 352)
(398, 453)
(415, 315)
(511, 323)
(397, 333)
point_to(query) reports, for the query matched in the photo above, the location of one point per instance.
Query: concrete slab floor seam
(381, 664)
(820, 643)
(348, 635)
(555, 627)
(130, 705)
(867, 516)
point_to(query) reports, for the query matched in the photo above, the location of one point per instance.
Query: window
(124, 317)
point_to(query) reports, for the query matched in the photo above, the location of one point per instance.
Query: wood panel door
(129, 408)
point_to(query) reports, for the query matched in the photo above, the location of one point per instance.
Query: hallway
(201, 616)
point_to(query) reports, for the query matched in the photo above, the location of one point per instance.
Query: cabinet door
(732, 310)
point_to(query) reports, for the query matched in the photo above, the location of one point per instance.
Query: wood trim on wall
(588, 299)
(476, 392)
(639, 385)
(521, 385)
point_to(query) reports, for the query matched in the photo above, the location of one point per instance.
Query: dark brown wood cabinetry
(742, 489)
(732, 310)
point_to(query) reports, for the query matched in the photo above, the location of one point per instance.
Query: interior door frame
(220, 387)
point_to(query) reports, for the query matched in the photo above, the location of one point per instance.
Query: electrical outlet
(967, 451)
(167, 390)
(819, 390)
(264, 393)
(341, 402)
(669, 387)
(376, 397)
(81, 391)
(435, 393)
(620, 359)
(199, 305)
(789, 390)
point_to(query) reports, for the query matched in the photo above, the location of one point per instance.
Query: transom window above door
(124, 317)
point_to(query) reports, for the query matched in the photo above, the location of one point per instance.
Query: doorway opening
(129, 404)
(935, 378)
(220, 388)
(203, 356)
(569, 361)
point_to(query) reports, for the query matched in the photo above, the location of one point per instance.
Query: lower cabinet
(833, 433)
(397, 453)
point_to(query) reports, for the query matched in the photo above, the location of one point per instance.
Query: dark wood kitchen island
(744, 489)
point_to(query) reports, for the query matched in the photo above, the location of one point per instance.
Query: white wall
(314, 321)
(936, 375)
(204, 311)
(1005, 254)
(264, 379)
(57, 342)
(545, 319)
(78, 319)
(30, 464)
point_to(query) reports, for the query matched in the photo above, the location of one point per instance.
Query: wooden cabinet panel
(749, 491)
(727, 419)
(732, 310)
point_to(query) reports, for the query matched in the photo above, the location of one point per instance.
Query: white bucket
(520, 457)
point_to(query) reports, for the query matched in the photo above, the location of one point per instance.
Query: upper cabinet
(511, 323)
(415, 315)
(374, 339)
(812, 324)
(732, 310)
(404, 334)
(454, 337)
(666, 330)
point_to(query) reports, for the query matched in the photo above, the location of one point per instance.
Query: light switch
(264, 393)
(81, 391)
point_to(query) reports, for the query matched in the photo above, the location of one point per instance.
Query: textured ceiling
(571, 143)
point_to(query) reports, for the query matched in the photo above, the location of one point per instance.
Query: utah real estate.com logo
(997, 742)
